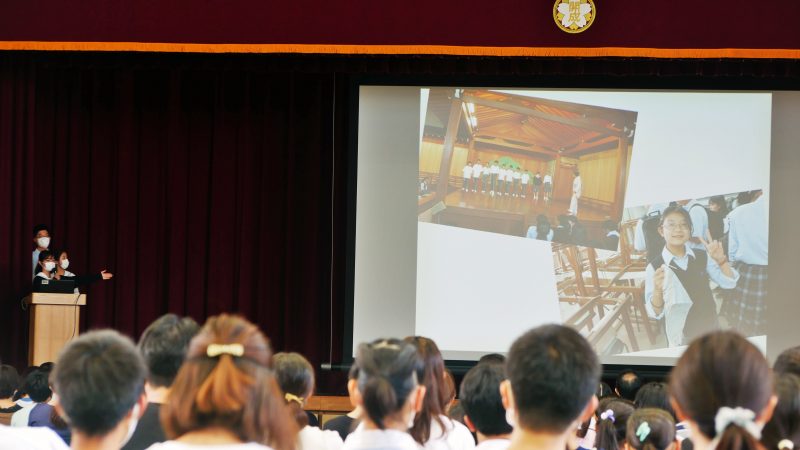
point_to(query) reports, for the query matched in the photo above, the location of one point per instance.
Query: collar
(667, 256)
(42, 275)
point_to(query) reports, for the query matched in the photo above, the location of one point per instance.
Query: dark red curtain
(216, 183)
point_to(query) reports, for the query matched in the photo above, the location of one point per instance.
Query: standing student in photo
(526, 178)
(677, 281)
(486, 178)
(494, 170)
(467, 173)
(547, 183)
(477, 170)
(516, 177)
(576, 193)
(537, 186)
(41, 239)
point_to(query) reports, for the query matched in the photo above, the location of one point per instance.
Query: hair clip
(785, 444)
(643, 431)
(293, 398)
(607, 415)
(214, 350)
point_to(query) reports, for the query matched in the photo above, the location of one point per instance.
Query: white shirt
(676, 300)
(494, 444)
(516, 175)
(174, 445)
(30, 438)
(455, 436)
(548, 179)
(467, 171)
(506, 174)
(35, 261)
(525, 178)
(313, 438)
(576, 187)
(495, 169)
(379, 439)
(20, 418)
(476, 170)
(531, 234)
(748, 232)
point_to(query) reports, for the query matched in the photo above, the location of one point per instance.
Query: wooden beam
(515, 107)
(586, 147)
(447, 148)
(484, 133)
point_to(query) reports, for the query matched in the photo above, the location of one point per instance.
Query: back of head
(553, 373)
(654, 395)
(785, 422)
(9, 381)
(480, 398)
(296, 379)
(612, 421)
(628, 383)
(99, 377)
(604, 390)
(387, 375)
(788, 361)
(37, 386)
(650, 429)
(719, 375)
(492, 358)
(163, 345)
(436, 394)
(226, 382)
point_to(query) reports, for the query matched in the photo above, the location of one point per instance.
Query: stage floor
(523, 206)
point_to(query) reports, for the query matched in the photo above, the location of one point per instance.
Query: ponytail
(606, 434)
(380, 400)
(613, 414)
(223, 391)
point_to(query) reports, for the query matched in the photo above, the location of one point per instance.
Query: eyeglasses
(676, 226)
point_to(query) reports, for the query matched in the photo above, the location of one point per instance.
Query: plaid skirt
(747, 312)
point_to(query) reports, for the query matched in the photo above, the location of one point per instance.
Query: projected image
(524, 166)
(682, 268)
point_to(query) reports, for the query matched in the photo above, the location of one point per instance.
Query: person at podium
(61, 272)
(47, 268)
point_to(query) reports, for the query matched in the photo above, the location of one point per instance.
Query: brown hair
(611, 429)
(721, 369)
(231, 391)
(296, 379)
(660, 429)
(436, 394)
(785, 422)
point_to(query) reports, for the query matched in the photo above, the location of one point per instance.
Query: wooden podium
(55, 320)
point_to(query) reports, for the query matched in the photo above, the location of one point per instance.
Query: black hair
(43, 255)
(785, 422)
(9, 381)
(612, 421)
(387, 376)
(480, 398)
(720, 201)
(788, 361)
(672, 209)
(553, 373)
(37, 386)
(40, 227)
(543, 226)
(163, 345)
(603, 390)
(627, 383)
(657, 434)
(352, 374)
(295, 376)
(492, 358)
(654, 395)
(744, 197)
(99, 377)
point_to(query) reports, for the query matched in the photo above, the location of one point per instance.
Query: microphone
(326, 366)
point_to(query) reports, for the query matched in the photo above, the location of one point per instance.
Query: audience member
(604, 390)
(225, 393)
(552, 376)
(346, 423)
(782, 432)
(722, 387)
(163, 347)
(432, 428)
(390, 395)
(43, 414)
(296, 379)
(492, 358)
(654, 395)
(628, 382)
(37, 390)
(41, 239)
(484, 413)
(99, 379)
(788, 361)
(39, 438)
(450, 389)
(650, 429)
(9, 382)
(612, 421)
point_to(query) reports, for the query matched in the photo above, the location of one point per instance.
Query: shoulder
(30, 437)
(315, 438)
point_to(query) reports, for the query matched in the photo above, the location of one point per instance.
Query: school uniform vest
(702, 315)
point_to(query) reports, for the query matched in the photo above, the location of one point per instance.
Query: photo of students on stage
(677, 281)
(62, 273)
(41, 239)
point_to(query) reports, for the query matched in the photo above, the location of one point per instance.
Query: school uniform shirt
(677, 301)
(477, 169)
(20, 418)
(467, 171)
(313, 438)
(495, 169)
(40, 416)
(37, 281)
(342, 425)
(525, 178)
(454, 436)
(699, 221)
(576, 187)
(148, 431)
(638, 236)
(30, 439)
(516, 176)
(362, 439)
(548, 179)
(494, 444)
(748, 232)
(35, 261)
(537, 180)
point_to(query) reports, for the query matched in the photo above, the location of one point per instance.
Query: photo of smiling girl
(677, 281)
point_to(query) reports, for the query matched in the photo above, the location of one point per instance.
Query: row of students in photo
(506, 179)
(51, 264)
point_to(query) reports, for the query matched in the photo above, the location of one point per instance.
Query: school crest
(574, 16)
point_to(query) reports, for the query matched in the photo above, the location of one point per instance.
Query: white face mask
(49, 266)
(64, 263)
(131, 425)
(43, 242)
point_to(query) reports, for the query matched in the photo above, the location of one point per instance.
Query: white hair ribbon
(785, 444)
(738, 416)
(214, 350)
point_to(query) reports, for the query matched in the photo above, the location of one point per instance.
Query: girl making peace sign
(677, 281)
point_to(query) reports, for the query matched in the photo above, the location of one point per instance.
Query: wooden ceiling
(537, 127)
